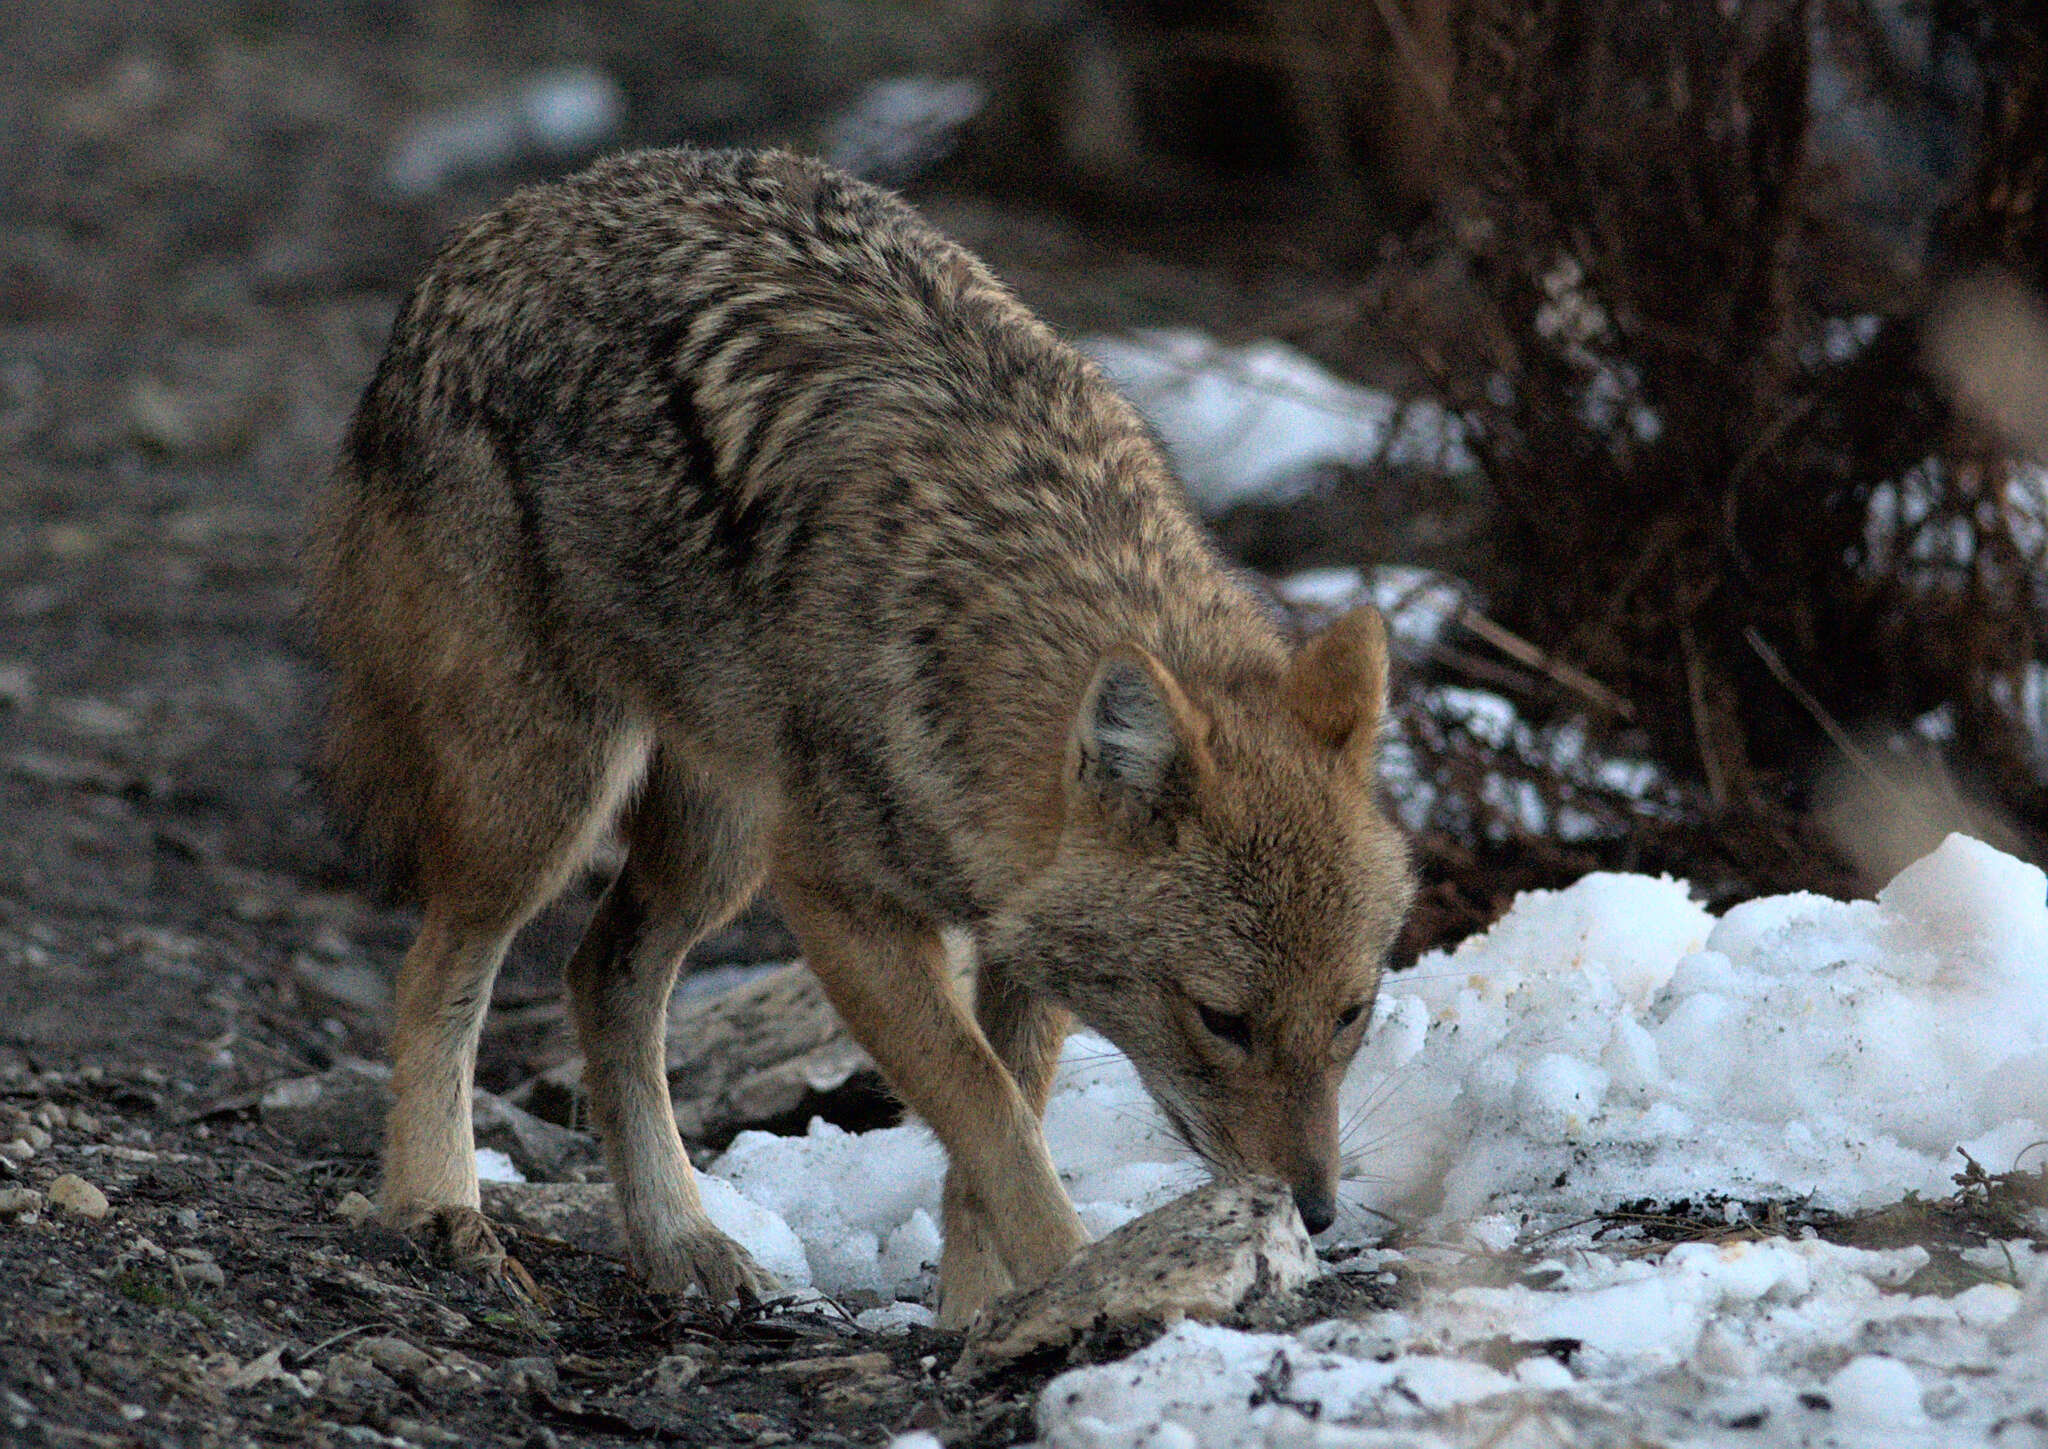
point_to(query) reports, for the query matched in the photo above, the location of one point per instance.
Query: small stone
(257, 1370)
(855, 1401)
(847, 1402)
(395, 1356)
(84, 1121)
(832, 1369)
(75, 1195)
(340, 1111)
(36, 1137)
(17, 1151)
(51, 1117)
(203, 1274)
(183, 421)
(348, 1372)
(525, 1377)
(355, 1209)
(675, 1373)
(18, 1202)
(17, 686)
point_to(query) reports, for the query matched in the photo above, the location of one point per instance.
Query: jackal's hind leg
(693, 859)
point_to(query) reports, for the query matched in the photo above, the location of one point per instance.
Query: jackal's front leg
(1025, 1032)
(885, 973)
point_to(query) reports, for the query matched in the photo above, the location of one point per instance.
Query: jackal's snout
(1316, 1203)
(1298, 1145)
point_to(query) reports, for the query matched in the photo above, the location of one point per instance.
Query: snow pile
(1612, 1041)
(899, 126)
(1253, 422)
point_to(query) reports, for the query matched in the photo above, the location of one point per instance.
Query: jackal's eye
(1237, 1030)
(1344, 1022)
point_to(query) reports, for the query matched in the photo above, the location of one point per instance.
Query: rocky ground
(199, 256)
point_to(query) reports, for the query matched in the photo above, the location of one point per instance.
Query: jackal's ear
(1337, 684)
(1138, 747)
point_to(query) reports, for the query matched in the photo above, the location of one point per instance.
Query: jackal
(717, 499)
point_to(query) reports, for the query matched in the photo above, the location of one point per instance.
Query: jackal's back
(741, 446)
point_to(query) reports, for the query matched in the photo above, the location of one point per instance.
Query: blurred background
(1673, 372)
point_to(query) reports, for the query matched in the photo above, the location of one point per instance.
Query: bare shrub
(1748, 514)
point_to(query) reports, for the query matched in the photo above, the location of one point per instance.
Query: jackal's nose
(1317, 1207)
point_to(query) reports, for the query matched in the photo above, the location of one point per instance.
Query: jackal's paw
(969, 1281)
(458, 1237)
(463, 1239)
(710, 1262)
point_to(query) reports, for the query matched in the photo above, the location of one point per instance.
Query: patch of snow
(760, 1230)
(898, 1317)
(494, 1166)
(899, 126)
(2028, 704)
(555, 114)
(1560, 753)
(1571, 316)
(1419, 604)
(1842, 339)
(1254, 422)
(1612, 1041)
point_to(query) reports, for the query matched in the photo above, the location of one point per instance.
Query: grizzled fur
(717, 498)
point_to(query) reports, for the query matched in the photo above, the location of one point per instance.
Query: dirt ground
(198, 263)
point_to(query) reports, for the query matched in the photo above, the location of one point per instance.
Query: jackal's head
(1223, 896)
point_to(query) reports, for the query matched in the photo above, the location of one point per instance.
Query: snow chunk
(1873, 1389)
(760, 1231)
(842, 1194)
(553, 114)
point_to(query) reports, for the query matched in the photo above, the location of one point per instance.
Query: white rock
(1200, 1257)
